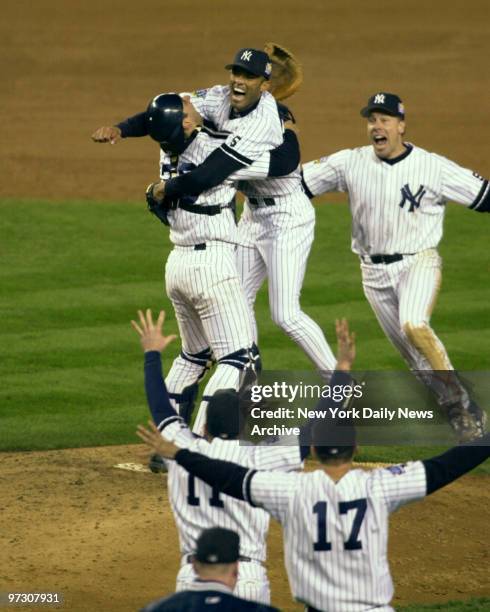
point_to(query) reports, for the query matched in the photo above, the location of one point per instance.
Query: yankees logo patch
(379, 99)
(246, 55)
(414, 199)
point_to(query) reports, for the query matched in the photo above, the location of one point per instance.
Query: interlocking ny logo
(414, 199)
(379, 99)
(246, 55)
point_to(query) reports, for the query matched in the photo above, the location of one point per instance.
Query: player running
(398, 195)
(335, 519)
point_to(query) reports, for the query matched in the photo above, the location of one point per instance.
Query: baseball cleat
(469, 423)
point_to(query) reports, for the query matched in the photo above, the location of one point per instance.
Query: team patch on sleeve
(397, 470)
(200, 93)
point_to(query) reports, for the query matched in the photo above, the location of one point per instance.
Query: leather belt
(241, 558)
(385, 259)
(203, 210)
(261, 201)
(200, 247)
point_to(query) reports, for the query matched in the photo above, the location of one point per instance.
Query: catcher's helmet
(164, 118)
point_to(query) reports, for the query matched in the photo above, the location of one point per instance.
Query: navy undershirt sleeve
(212, 172)
(156, 391)
(452, 464)
(226, 476)
(134, 126)
(285, 158)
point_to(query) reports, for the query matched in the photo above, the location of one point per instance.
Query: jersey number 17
(352, 543)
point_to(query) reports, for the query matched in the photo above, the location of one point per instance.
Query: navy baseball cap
(223, 414)
(387, 103)
(254, 61)
(333, 436)
(218, 545)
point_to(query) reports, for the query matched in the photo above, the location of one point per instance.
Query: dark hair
(327, 454)
(223, 414)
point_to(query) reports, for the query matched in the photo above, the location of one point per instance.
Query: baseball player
(398, 195)
(195, 505)
(277, 227)
(215, 564)
(201, 275)
(335, 519)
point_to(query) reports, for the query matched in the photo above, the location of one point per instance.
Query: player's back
(336, 533)
(197, 506)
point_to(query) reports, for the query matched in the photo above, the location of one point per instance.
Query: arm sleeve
(464, 186)
(269, 490)
(399, 484)
(281, 161)
(134, 126)
(326, 174)
(449, 466)
(170, 424)
(212, 172)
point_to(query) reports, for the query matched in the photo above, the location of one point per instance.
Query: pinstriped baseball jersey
(196, 506)
(250, 134)
(396, 208)
(188, 228)
(336, 533)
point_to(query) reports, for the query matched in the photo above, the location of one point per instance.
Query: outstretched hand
(152, 338)
(346, 345)
(152, 438)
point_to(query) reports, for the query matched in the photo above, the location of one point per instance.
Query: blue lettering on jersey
(414, 200)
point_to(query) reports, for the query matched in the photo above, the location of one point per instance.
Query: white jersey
(336, 534)
(197, 506)
(398, 205)
(188, 228)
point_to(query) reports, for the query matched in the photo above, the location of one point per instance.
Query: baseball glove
(287, 72)
(159, 208)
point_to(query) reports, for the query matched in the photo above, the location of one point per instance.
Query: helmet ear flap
(164, 117)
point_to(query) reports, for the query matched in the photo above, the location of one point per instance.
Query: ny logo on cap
(379, 99)
(246, 55)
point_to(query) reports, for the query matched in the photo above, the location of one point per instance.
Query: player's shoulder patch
(200, 93)
(397, 470)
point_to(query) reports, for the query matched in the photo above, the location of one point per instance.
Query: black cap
(333, 436)
(218, 545)
(254, 61)
(387, 103)
(223, 414)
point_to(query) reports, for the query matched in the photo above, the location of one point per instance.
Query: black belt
(386, 259)
(203, 210)
(259, 201)
(200, 247)
(241, 558)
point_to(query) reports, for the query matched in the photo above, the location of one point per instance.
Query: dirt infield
(70, 521)
(106, 539)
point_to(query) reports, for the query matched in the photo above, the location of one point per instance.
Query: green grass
(73, 275)
(480, 604)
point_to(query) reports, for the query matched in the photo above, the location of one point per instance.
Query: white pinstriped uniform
(274, 241)
(399, 208)
(336, 534)
(196, 506)
(203, 285)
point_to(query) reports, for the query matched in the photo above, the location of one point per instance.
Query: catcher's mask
(164, 116)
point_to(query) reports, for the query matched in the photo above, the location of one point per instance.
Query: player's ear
(265, 85)
(401, 127)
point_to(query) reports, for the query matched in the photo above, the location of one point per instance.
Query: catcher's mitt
(159, 208)
(287, 72)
